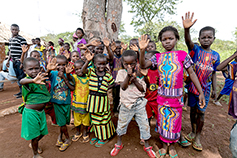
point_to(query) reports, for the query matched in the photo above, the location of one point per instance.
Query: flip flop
(76, 137)
(85, 139)
(94, 140)
(116, 149)
(162, 154)
(176, 155)
(189, 137)
(59, 143)
(150, 152)
(100, 143)
(184, 143)
(40, 151)
(197, 146)
(64, 146)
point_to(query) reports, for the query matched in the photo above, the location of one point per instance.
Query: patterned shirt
(15, 44)
(204, 65)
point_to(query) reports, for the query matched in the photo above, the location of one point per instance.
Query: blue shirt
(10, 69)
(60, 93)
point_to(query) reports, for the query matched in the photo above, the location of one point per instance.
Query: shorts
(62, 114)
(33, 124)
(81, 119)
(193, 100)
(151, 105)
(138, 110)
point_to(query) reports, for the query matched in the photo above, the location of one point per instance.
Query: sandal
(59, 143)
(94, 140)
(160, 152)
(184, 143)
(116, 149)
(176, 155)
(150, 152)
(40, 151)
(101, 143)
(197, 146)
(76, 137)
(189, 137)
(64, 146)
(85, 139)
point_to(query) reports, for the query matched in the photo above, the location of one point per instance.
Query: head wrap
(61, 39)
(74, 35)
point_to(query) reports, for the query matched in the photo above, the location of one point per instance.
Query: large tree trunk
(99, 16)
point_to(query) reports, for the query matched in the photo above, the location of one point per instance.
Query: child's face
(66, 47)
(129, 61)
(206, 38)
(151, 46)
(118, 49)
(61, 64)
(32, 68)
(91, 48)
(14, 30)
(82, 51)
(37, 42)
(79, 34)
(99, 49)
(78, 67)
(35, 55)
(74, 57)
(100, 64)
(168, 40)
(148, 56)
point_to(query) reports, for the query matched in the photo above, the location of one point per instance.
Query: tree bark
(99, 15)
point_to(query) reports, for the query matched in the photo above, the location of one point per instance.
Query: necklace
(82, 80)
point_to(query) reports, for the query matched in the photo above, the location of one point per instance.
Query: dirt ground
(215, 136)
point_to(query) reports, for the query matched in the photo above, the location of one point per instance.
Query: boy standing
(205, 63)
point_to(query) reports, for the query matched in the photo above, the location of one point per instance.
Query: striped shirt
(15, 44)
(107, 80)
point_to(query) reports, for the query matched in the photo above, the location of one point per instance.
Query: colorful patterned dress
(170, 91)
(98, 104)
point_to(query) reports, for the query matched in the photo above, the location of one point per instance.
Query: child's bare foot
(197, 144)
(183, 142)
(190, 137)
(65, 145)
(172, 152)
(76, 137)
(101, 143)
(163, 151)
(59, 141)
(85, 139)
(40, 151)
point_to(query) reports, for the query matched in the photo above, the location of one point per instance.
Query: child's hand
(95, 43)
(88, 55)
(143, 42)
(134, 47)
(52, 65)
(213, 94)
(40, 78)
(69, 68)
(113, 46)
(81, 46)
(144, 72)
(67, 54)
(60, 74)
(133, 79)
(202, 102)
(24, 48)
(106, 42)
(187, 22)
(129, 70)
(124, 46)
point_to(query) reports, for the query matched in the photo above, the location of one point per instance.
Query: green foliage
(66, 36)
(122, 28)
(148, 11)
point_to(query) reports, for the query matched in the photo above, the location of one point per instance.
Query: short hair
(29, 59)
(153, 52)
(61, 57)
(79, 62)
(207, 28)
(80, 30)
(169, 28)
(37, 39)
(67, 44)
(153, 42)
(117, 42)
(74, 52)
(99, 56)
(133, 39)
(15, 25)
(129, 53)
(34, 51)
(51, 43)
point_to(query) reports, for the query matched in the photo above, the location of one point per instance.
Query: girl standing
(79, 33)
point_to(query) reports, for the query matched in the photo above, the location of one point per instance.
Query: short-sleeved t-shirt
(117, 65)
(204, 65)
(170, 70)
(129, 96)
(59, 90)
(15, 44)
(35, 93)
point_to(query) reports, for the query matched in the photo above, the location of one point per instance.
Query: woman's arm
(222, 65)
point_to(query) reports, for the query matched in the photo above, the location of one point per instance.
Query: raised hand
(52, 65)
(134, 48)
(143, 42)
(69, 68)
(106, 42)
(81, 46)
(40, 78)
(24, 48)
(124, 46)
(88, 55)
(188, 21)
(95, 43)
(113, 46)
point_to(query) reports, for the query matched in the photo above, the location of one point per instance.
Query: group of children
(143, 82)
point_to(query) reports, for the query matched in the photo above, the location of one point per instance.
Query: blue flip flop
(94, 140)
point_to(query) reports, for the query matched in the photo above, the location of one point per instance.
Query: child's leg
(200, 123)
(193, 119)
(35, 145)
(219, 97)
(63, 130)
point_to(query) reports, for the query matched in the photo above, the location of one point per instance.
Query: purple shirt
(81, 41)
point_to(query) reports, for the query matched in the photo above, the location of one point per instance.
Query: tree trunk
(101, 18)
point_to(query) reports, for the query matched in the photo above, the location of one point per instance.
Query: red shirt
(151, 92)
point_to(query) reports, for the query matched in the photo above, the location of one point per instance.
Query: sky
(40, 17)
